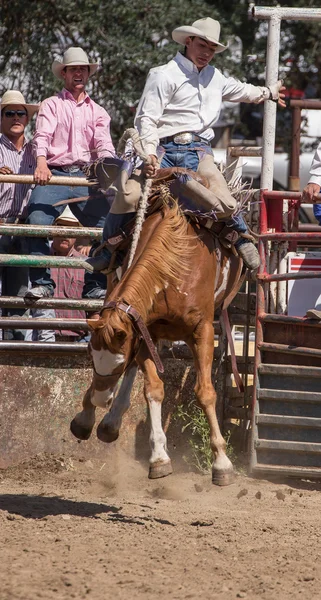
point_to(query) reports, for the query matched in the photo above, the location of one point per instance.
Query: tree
(130, 38)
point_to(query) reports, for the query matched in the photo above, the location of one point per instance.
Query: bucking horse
(179, 275)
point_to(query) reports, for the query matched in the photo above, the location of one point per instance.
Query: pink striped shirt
(70, 133)
(14, 196)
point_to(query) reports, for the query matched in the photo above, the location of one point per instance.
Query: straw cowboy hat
(207, 28)
(14, 97)
(68, 217)
(73, 57)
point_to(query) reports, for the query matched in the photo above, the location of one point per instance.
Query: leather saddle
(163, 192)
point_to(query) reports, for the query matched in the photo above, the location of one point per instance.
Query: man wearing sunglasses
(16, 157)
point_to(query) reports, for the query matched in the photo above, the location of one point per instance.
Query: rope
(140, 218)
(132, 134)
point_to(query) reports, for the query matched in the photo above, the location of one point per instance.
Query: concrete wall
(40, 394)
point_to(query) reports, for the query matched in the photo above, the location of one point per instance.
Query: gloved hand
(276, 92)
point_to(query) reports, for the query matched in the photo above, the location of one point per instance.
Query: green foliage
(129, 38)
(194, 420)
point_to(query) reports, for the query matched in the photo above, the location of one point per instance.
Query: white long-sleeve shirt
(178, 97)
(315, 170)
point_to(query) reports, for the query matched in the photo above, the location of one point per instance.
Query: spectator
(68, 284)
(312, 189)
(16, 157)
(71, 131)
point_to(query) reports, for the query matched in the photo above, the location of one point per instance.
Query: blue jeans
(42, 212)
(317, 212)
(188, 156)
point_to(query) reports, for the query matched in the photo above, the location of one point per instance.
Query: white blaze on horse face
(106, 362)
(157, 438)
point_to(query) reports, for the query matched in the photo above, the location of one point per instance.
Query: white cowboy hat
(68, 217)
(73, 57)
(207, 28)
(15, 97)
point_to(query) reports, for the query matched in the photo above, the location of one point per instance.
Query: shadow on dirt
(37, 507)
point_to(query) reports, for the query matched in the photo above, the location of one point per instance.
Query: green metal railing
(13, 260)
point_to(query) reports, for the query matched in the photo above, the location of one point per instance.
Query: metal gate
(286, 425)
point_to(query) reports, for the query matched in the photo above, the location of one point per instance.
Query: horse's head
(112, 348)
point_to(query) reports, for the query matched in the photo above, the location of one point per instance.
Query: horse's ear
(94, 324)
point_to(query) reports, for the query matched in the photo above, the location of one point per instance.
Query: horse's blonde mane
(164, 261)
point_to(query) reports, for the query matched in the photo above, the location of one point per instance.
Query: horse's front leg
(203, 347)
(159, 464)
(108, 428)
(99, 394)
(82, 425)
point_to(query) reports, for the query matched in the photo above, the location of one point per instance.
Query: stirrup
(228, 237)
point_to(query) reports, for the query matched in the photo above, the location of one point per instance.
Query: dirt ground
(75, 528)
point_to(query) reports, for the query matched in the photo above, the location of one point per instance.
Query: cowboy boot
(248, 252)
(113, 224)
(244, 245)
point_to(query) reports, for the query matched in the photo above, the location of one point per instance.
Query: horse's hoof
(79, 431)
(160, 469)
(106, 433)
(223, 477)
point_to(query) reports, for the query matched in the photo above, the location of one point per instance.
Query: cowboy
(180, 105)
(71, 131)
(16, 157)
(312, 189)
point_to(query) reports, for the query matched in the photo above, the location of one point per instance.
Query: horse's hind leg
(202, 347)
(82, 425)
(159, 464)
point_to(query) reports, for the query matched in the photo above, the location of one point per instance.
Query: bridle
(139, 327)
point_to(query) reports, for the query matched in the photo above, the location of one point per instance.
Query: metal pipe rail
(17, 260)
(274, 16)
(276, 195)
(299, 236)
(18, 302)
(50, 231)
(55, 180)
(23, 323)
(286, 319)
(266, 277)
(288, 13)
(286, 349)
(45, 347)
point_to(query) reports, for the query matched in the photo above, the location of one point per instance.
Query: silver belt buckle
(183, 138)
(71, 169)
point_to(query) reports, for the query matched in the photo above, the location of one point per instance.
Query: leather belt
(186, 137)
